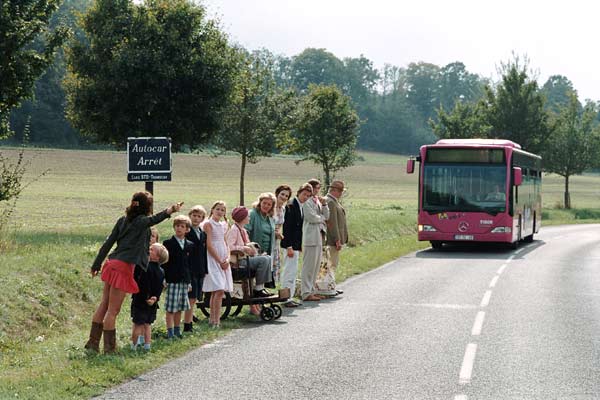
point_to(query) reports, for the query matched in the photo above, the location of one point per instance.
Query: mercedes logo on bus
(463, 226)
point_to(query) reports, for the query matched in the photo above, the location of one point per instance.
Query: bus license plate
(463, 237)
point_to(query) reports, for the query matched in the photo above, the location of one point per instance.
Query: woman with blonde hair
(261, 228)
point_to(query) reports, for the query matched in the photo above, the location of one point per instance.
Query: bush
(11, 186)
(586, 213)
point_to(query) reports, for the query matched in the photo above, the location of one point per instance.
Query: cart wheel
(278, 311)
(237, 309)
(225, 307)
(267, 314)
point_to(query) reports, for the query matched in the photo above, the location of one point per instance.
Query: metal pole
(150, 187)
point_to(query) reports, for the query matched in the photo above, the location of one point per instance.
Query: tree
(465, 121)
(515, 109)
(558, 90)
(316, 66)
(420, 85)
(44, 113)
(326, 131)
(257, 111)
(159, 68)
(360, 80)
(575, 143)
(21, 23)
(458, 84)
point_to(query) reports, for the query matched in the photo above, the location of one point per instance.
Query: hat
(339, 185)
(239, 213)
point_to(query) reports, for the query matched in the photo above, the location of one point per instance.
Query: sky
(558, 37)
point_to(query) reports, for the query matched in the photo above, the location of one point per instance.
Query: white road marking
(478, 324)
(501, 269)
(466, 368)
(446, 306)
(520, 250)
(461, 397)
(494, 281)
(486, 299)
(510, 258)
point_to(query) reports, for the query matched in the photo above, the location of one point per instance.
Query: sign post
(148, 160)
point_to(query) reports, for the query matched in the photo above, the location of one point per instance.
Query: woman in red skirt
(131, 233)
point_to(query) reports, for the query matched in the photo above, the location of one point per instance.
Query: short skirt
(119, 274)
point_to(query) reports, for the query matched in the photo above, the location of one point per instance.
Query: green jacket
(259, 233)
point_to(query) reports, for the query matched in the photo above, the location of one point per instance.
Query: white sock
(259, 287)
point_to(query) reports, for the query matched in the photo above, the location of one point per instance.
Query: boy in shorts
(145, 303)
(177, 275)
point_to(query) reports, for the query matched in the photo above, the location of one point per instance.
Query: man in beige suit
(315, 213)
(337, 233)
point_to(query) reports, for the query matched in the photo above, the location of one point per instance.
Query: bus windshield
(464, 187)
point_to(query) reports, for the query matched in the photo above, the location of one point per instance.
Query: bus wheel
(436, 244)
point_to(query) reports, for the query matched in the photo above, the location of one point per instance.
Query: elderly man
(337, 236)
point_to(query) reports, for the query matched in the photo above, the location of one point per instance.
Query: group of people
(197, 258)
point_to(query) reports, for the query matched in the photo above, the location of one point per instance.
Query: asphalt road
(463, 323)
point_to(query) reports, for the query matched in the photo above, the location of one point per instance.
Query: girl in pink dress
(218, 280)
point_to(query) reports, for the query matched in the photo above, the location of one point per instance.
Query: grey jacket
(132, 238)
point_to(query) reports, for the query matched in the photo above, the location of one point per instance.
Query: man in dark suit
(292, 240)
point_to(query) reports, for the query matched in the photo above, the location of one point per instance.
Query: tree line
(163, 68)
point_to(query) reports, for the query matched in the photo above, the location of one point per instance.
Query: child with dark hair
(145, 303)
(198, 267)
(131, 233)
(177, 275)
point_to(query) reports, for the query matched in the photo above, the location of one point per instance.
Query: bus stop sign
(148, 159)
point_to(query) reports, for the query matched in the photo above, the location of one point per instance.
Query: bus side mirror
(410, 166)
(518, 176)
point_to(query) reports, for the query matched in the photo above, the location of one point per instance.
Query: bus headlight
(502, 229)
(426, 228)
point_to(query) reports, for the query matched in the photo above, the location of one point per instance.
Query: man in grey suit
(337, 233)
(316, 213)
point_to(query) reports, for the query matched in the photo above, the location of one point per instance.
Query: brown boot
(110, 341)
(93, 342)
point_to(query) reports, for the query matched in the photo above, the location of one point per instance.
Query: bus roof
(478, 142)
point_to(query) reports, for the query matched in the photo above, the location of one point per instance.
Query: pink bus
(478, 190)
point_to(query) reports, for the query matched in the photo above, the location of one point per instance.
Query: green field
(61, 220)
